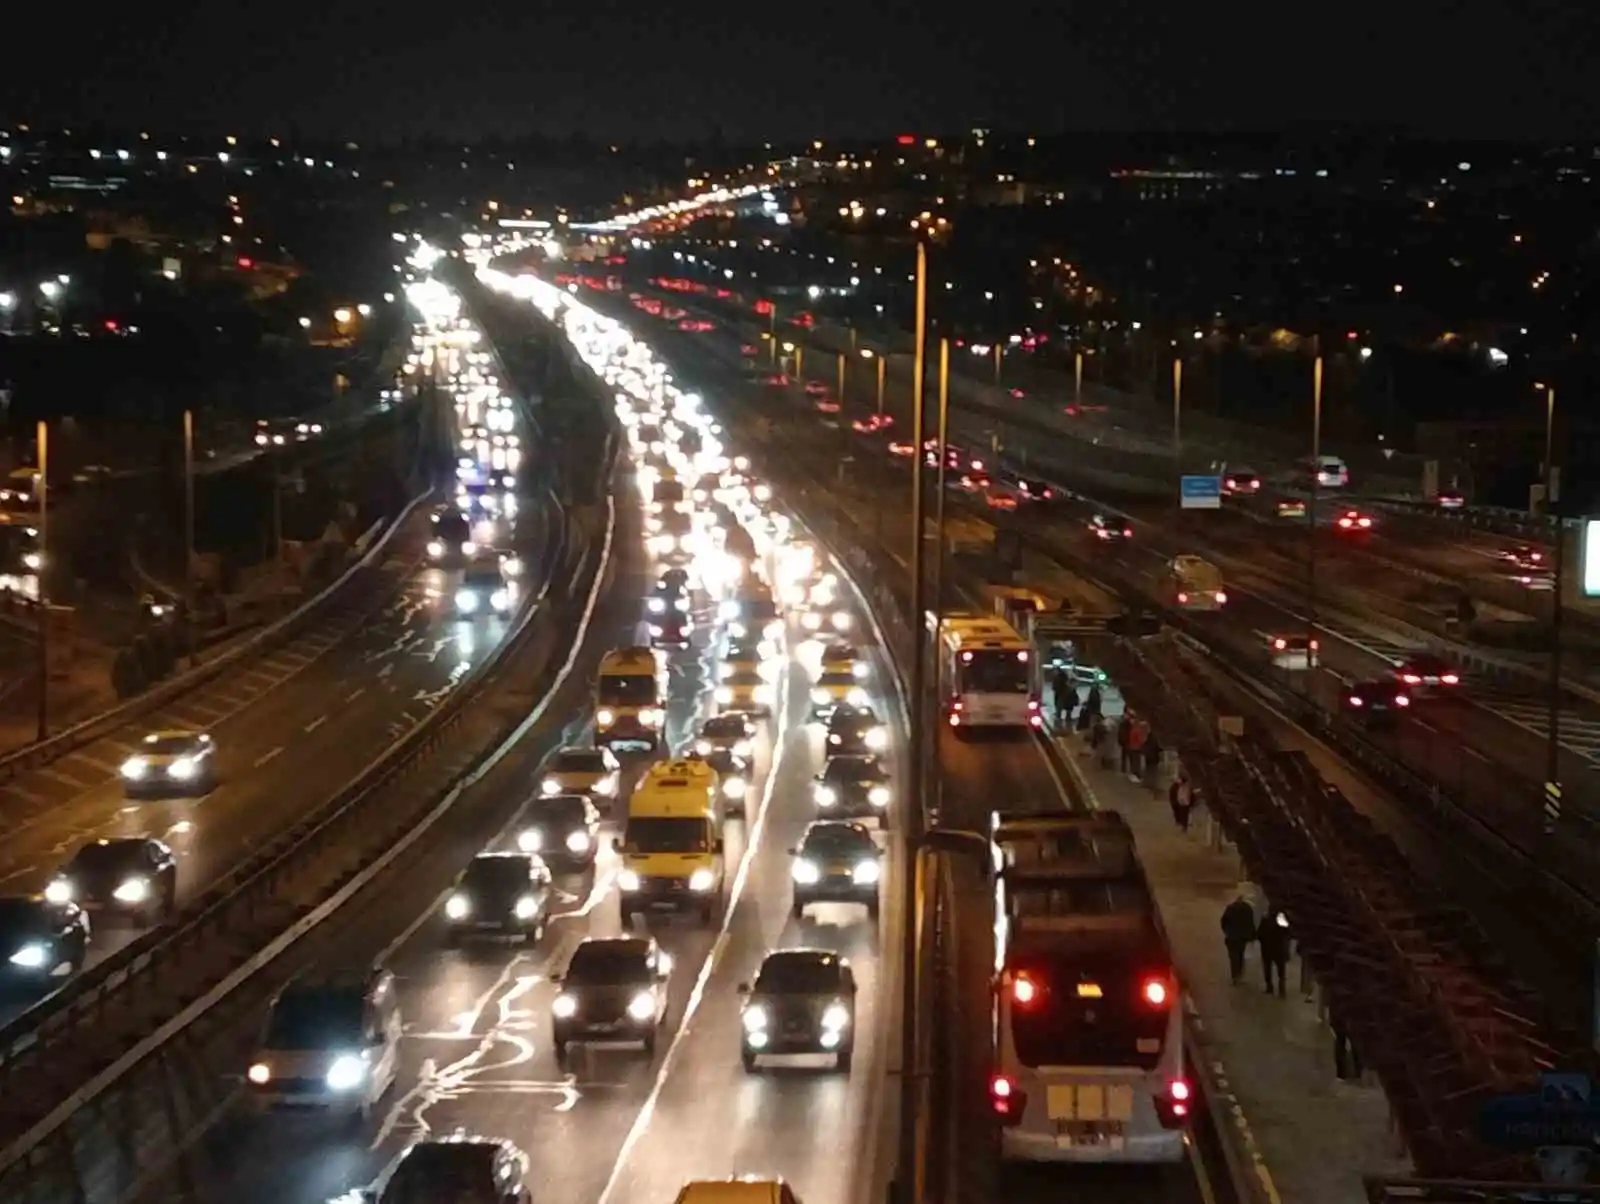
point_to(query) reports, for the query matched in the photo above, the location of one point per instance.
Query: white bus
(1196, 583)
(987, 673)
(1088, 1019)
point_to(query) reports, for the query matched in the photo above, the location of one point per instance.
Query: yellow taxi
(671, 845)
(745, 692)
(580, 769)
(843, 658)
(835, 688)
(630, 698)
(737, 1191)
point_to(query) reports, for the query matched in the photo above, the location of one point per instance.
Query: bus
(987, 672)
(630, 699)
(1087, 1015)
(1196, 583)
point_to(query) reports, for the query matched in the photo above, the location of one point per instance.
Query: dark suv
(803, 1001)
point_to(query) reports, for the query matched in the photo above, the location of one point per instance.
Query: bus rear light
(1154, 992)
(1172, 1109)
(1024, 990)
(1009, 1103)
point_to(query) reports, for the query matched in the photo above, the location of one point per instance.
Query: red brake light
(1450, 679)
(1001, 1087)
(1411, 679)
(1178, 1089)
(1280, 645)
(1401, 700)
(1127, 532)
(1366, 522)
(1024, 990)
(1222, 598)
(1155, 992)
(1313, 645)
(1183, 597)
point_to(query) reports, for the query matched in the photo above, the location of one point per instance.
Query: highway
(291, 727)
(616, 1126)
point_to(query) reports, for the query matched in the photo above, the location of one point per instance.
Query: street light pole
(1311, 510)
(1558, 606)
(906, 1172)
(1077, 377)
(999, 351)
(188, 533)
(938, 517)
(841, 382)
(883, 366)
(43, 601)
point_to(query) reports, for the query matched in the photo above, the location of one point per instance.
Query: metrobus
(987, 673)
(1087, 1017)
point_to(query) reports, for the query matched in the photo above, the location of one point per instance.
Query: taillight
(1450, 679)
(1155, 992)
(1127, 532)
(1172, 1108)
(1411, 679)
(1033, 704)
(1314, 645)
(1222, 598)
(1401, 700)
(1024, 990)
(1366, 522)
(1183, 599)
(1008, 1102)
(1280, 645)
(1356, 701)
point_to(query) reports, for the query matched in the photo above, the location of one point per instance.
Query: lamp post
(906, 1168)
(1558, 606)
(1077, 377)
(840, 389)
(43, 440)
(999, 353)
(1311, 510)
(188, 533)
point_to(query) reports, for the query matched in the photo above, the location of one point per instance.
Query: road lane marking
(355, 694)
(315, 723)
(265, 757)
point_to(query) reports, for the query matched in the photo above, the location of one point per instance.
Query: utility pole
(841, 382)
(883, 365)
(43, 440)
(1077, 377)
(1311, 512)
(188, 534)
(1558, 606)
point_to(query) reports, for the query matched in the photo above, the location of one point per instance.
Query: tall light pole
(906, 1171)
(772, 330)
(1558, 606)
(43, 440)
(938, 510)
(840, 389)
(883, 367)
(1311, 511)
(999, 352)
(1077, 377)
(188, 534)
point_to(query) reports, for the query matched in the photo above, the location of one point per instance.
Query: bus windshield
(667, 834)
(1089, 1011)
(991, 671)
(630, 690)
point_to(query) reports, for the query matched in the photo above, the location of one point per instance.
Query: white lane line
(355, 694)
(315, 723)
(265, 757)
(757, 832)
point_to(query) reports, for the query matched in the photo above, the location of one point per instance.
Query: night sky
(684, 69)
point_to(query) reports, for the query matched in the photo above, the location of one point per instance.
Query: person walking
(1124, 740)
(1180, 798)
(1138, 736)
(1276, 943)
(1238, 930)
(1152, 761)
(1091, 709)
(1346, 1061)
(1065, 697)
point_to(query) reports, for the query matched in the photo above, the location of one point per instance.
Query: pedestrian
(1091, 709)
(1065, 697)
(1152, 762)
(1180, 797)
(1238, 930)
(1346, 1061)
(1274, 937)
(1098, 736)
(1138, 736)
(1124, 739)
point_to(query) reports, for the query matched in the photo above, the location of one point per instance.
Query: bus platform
(1302, 1135)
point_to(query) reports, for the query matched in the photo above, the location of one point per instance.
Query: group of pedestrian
(1139, 750)
(1240, 930)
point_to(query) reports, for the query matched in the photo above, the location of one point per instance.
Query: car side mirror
(616, 844)
(744, 988)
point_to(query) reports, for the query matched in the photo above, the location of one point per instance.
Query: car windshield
(496, 874)
(561, 811)
(579, 762)
(451, 524)
(484, 577)
(609, 963)
(852, 769)
(106, 858)
(453, 1172)
(727, 727)
(631, 690)
(836, 680)
(317, 1019)
(853, 722)
(667, 834)
(837, 841)
(162, 746)
(791, 974)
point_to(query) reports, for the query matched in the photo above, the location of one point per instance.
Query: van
(671, 846)
(737, 1191)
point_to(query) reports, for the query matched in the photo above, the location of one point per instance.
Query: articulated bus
(1088, 1020)
(988, 673)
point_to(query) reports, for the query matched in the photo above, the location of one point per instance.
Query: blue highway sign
(1562, 1113)
(1200, 493)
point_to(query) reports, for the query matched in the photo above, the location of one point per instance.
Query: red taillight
(1366, 522)
(1024, 990)
(1127, 532)
(1033, 704)
(1450, 679)
(1178, 1089)
(955, 720)
(1222, 598)
(1001, 1087)
(1313, 645)
(1345, 523)
(1400, 700)
(1178, 1094)
(1280, 645)
(1183, 599)
(1008, 1102)
(1356, 700)
(1155, 992)
(1411, 679)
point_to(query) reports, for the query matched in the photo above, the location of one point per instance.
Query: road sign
(1200, 493)
(1562, 1113)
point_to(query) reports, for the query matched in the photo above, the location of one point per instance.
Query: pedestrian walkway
(1312, 1137)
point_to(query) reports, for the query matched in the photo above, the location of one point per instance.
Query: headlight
(346, 1073)
(877, 739)
(728, 610)
(821, 697)
(702, 880)
(724, 694)
(866, 873)
(530, 840)
(860, 670)
(435, 548)
(468, 548)
(605, 717)
(763, 693)
(550, 786)
(642, 1006)
(135, 768)
(182, 769)
(500, 600)
(682, 605)
(824, 796)
(527, 907)
(511, 566)
(563, 1007)
(466, 601)
(812, 621)
(651, 716)
(606, 785)
(857, 697)
(807, 873)
(763, 493)
(577, 842)
(836, 1016)
(733, 787)
(59, 891)
(878, 796)
(31, 956)
(702, 748)
(134, 890)
(657, 606)
(755, 1018)
(627, 880)
(260, 1074)
(458, 907)
(842, 620)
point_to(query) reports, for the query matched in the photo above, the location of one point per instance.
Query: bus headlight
(701, 881)
(807, 873)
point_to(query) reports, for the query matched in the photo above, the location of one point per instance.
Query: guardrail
(98, 726)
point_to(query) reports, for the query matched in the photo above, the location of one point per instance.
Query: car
(667, 600)
(854, 787)
(1241, 481)
(131, 876)
(816, 388)
(744, 654)
(582, 769)
(835, 688)
(902, 450)
(1426, 672)
(872, 424)
(460, 1167)
(613, 989)
(672, 630)
(1378, 700)
(40, 941)
(803, 1001)
(840, 657)
(827, 405)
(484, 588)
(451, 536)
(563, 829)
(746, 1189)
(1293, 651)
(744, 691)
(500, 894)
(1354, 521)
(331, 1042)
(278, 432)
(853, 730)
(836, 861)
(826, 616)
(1525, 558)
(173, 763)
(748, 349)
(1450, 499)
(727, 742)
(1036, 491)
(973, 481)
(998, 497)
(1109, 530)
(1291, 508)
(675, 580)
